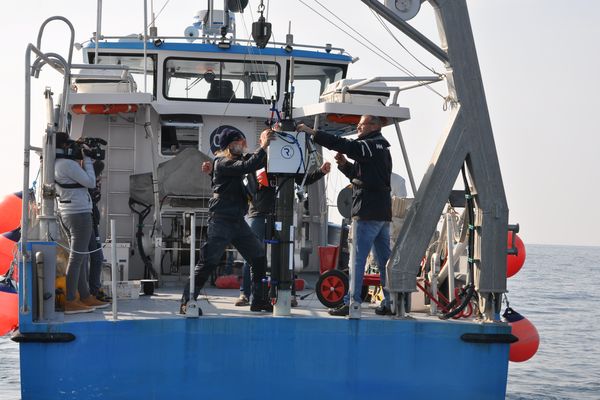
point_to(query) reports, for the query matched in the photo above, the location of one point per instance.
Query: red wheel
(331, 288)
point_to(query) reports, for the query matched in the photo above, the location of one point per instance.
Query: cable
(411, 54)
(469, 290)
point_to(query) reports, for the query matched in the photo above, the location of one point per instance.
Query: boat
(156, 106)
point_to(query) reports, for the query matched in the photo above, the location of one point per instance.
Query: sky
(537, 59)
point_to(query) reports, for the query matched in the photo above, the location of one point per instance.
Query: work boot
(92, 301)
(242, 301)
(383, 310)
(260, 302)
(183, 309)
(261, 306)
(342, 311)
(102, 296)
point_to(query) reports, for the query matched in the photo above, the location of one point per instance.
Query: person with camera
(226, 224)
(95, 245)
(74, 175)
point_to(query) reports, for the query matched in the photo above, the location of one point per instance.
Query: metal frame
(468, 140)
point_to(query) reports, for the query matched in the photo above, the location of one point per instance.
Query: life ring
(103, 108)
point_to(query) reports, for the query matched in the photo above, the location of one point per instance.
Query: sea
(558, 290)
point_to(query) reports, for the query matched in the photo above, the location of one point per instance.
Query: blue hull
(250, 358)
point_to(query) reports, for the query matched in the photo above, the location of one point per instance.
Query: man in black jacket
(226, 224)
(371, 202)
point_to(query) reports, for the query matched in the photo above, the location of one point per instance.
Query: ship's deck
(214, 302)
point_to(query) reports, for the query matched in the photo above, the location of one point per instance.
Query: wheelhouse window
(221, 81)
(136, 68)
(310, 79)
(179, 132)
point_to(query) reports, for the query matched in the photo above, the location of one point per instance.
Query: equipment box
(371, 94)
(126, 290)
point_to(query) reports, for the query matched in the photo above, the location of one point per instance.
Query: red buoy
(529, 339)
(8, 248)
(228, 282)
(514, 262)
(299, 284)
(9, 311)
(10, 212)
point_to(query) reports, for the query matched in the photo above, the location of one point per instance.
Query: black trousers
(222, 232)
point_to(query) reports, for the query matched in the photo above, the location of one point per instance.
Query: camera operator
(74, 175)
(95, 245)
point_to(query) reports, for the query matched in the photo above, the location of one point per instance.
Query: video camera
(72, 149)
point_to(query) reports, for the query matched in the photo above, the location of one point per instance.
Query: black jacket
(263, 201)
(370, 174)
(230, 196)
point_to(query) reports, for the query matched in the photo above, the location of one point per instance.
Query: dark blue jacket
(369, 174)
(230, 196)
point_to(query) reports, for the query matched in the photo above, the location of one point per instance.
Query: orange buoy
(343, 118)
(228, 282)
(103, 108)
(529, 338)
(10, 212)
(514, 262)
(9, 311)
(8, 248)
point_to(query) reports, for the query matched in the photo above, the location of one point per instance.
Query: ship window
(221, 81)
(136, 68)
(310, 79)
(179, 132)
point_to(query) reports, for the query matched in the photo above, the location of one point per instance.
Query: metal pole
(145, 44)
(98, 29)
(23, 256)
(113, 251)
(192, 252)
(192, 309)
(405, 156)
(450, 256)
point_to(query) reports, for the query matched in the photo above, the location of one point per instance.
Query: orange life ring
(103, 108)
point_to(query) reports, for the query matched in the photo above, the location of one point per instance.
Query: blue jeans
(96, 258)
(367, 235)
(78, 229)
(258, 225)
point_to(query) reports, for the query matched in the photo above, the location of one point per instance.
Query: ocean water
(558, 290)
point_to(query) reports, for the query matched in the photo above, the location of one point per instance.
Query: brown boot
(76, 307)
(92, 301)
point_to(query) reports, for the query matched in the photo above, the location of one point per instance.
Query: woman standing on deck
(227, 208)
(74, 175)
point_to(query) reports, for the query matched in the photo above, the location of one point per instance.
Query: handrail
(32, 69)
(66, 21)
(24, 254)
(423, 80)
(328, 49)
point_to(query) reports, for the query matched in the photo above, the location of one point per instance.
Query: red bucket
(328, 256)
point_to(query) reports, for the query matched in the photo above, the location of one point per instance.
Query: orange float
(8, 248)
(343, 119)
(514, 262)
(228, 282)
(103, 108)
(529, 338)
(9, 311)
(10, 212)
